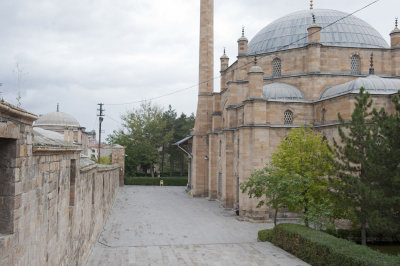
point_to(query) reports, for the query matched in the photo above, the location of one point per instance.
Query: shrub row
(355, 235)
(167, 174)
(319, 248)
(149, 181)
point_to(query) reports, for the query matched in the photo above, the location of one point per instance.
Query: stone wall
(52, 207)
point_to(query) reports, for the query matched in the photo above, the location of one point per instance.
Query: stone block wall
(51, 209)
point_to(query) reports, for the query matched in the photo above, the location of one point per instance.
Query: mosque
(303, 68)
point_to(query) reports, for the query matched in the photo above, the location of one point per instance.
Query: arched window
(276, 67)
(288, 117)
(220, 147)
(355, 65)
(323, 115)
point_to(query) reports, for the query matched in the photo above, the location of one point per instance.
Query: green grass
(319, 248)
(150, 181)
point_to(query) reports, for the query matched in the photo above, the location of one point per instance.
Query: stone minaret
(204, 105)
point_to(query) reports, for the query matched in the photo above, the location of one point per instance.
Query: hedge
(264, 235)
(319, 248)
(149, 181)
(372, 236)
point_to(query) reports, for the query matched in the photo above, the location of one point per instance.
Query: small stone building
(53, 201)
(303, 68)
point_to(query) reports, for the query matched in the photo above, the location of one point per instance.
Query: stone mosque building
(303, 68)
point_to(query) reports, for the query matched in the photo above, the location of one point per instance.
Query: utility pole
(100, 115)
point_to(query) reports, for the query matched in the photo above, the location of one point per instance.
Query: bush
(319, 248)
(372, 236)
(264, 235)
(149, 181)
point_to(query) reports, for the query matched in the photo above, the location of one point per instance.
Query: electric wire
(245, 65)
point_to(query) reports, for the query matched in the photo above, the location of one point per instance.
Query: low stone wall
(50, 229)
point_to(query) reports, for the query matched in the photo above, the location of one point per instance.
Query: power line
(118, 122)
(251, 62)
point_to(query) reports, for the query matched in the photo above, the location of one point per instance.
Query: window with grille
(288, 117)
(355, 65)
(323, 116)
(276, 67)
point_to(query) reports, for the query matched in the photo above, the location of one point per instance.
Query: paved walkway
(165, 226)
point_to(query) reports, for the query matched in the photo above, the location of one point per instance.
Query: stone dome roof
(372, 84)
(57, 119)
(290, 32)
(282, 91)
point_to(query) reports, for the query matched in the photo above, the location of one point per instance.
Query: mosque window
(355, 65)
(323, 116)
(288, 117)
(276, 67)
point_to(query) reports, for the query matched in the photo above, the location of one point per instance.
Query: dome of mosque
(372, 84)
(57, 119)
(282, 91)
(338, 29)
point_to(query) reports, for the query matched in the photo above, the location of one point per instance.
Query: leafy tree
(305, 154)
(297, 179)
(368, 179)
(143, 134)
(273, 188)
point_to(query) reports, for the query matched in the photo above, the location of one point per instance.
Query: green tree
(353, 184)
(143, 133)
(368, 159)
(306, 155)
(298, 178)
(180, 127)
(385, 153)
(273, 188)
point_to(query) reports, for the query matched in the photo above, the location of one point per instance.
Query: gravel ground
(165, 226)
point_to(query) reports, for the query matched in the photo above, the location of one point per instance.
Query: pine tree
(362, 159)
(385, 153)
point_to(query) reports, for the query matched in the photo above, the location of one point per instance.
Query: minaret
(395, 45)
(203, 121)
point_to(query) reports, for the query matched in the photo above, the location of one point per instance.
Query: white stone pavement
(165, 226)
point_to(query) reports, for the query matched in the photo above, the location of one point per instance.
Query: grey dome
(349, 32)
(372, 84)
(282, 91)
(57, 119)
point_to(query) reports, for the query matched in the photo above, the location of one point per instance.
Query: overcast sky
(82, 52)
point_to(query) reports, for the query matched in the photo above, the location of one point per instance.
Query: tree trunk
(276, 214)
(162, 161)
(363, 234)
(152, 171)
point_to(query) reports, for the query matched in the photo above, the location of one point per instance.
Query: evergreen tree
(357, 182)
(385, 153)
